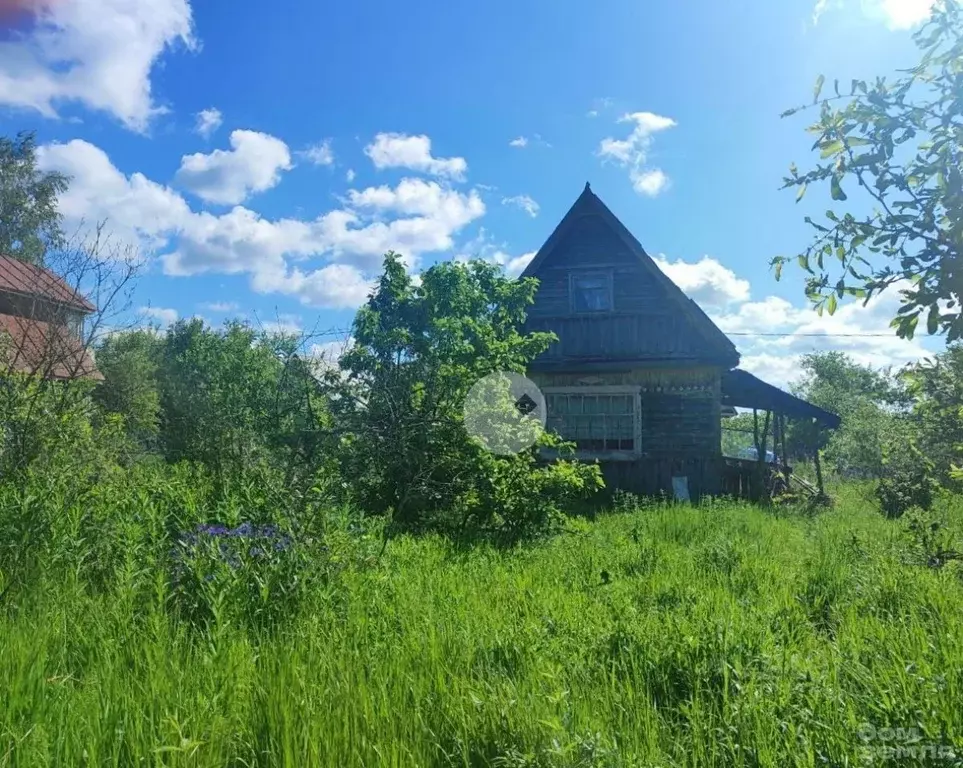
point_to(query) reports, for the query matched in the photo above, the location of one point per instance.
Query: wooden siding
(644, 322)
(680, 426)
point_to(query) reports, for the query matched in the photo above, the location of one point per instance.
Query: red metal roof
(52, 351)
(20, 277)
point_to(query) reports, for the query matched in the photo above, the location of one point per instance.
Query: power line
(818, 335)
(781, 334)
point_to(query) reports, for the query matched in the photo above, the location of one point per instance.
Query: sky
(260, 160)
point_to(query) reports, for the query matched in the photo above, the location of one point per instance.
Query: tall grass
(665, 635)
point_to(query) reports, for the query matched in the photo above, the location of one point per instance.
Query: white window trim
(604, 389)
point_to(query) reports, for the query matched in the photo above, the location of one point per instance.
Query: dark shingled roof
(29, 280)
(743, 390)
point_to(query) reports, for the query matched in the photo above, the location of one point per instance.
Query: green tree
(872, 404)
(29, 219)
(399, 404)
(937, 389)
(236, 400)
(896, 148)
(129, 363)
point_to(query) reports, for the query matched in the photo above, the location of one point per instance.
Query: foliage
(129, 363)
(29, 220)
(937, 389)
(907, 481)
(248, 574)
(871, 403)
(899, 144)
(236, 399)
(418, 350)
(931, 541)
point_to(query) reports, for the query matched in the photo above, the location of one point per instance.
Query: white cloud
(99, 53)
(253, 164)
(399, 150)
(649, 183)
(707, 282)
(337, 286)
(632, 152)
(903, 14)
(138, 212)
(161, 315)
(319, 154)
(515, 265)
(519, 142)
(895, 14)
(208, 121)
(483, 247)
(221, 307)
(414, 217)
(772, 333)
(286, 324)
(524, 202)
(350, 176)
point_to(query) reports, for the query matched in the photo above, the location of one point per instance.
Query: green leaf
(831, 303)
(836, 190)
(801, 192)
(932, 320)
(777, 270)
(830, 148)
(817, 89)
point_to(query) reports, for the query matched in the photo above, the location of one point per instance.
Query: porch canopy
(743, 390)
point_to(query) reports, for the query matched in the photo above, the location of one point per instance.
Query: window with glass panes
(594, 422)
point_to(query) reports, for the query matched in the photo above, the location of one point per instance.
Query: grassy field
(720, 635)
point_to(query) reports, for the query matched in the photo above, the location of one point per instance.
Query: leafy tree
(937, 390)
(417, 352)
(236, 399)
(129, 362)
(872, 404)
(898, 145)
(29, 219)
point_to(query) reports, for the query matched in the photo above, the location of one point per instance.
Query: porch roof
(743, 390)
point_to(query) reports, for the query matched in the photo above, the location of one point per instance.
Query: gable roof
(19, 277)
(589, 204)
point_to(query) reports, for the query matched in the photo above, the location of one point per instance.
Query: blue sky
(261, 157)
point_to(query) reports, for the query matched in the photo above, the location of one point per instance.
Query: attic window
(591, 291)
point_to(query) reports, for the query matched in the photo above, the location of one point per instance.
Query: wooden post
(819, 474)
(755, 430)
(785, 451)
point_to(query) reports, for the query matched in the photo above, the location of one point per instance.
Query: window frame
(607, 274)
(598, 390)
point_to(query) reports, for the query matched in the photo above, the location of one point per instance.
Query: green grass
(722, 635)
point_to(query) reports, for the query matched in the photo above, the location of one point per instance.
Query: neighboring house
(42, 323)
(639, 375)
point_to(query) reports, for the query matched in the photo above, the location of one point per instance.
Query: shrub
(907, 481)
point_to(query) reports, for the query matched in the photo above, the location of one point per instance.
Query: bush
(907, 481)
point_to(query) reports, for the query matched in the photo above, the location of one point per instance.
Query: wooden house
(640, 374)
(42, 324)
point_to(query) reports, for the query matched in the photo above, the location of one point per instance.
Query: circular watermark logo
(505, 412)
